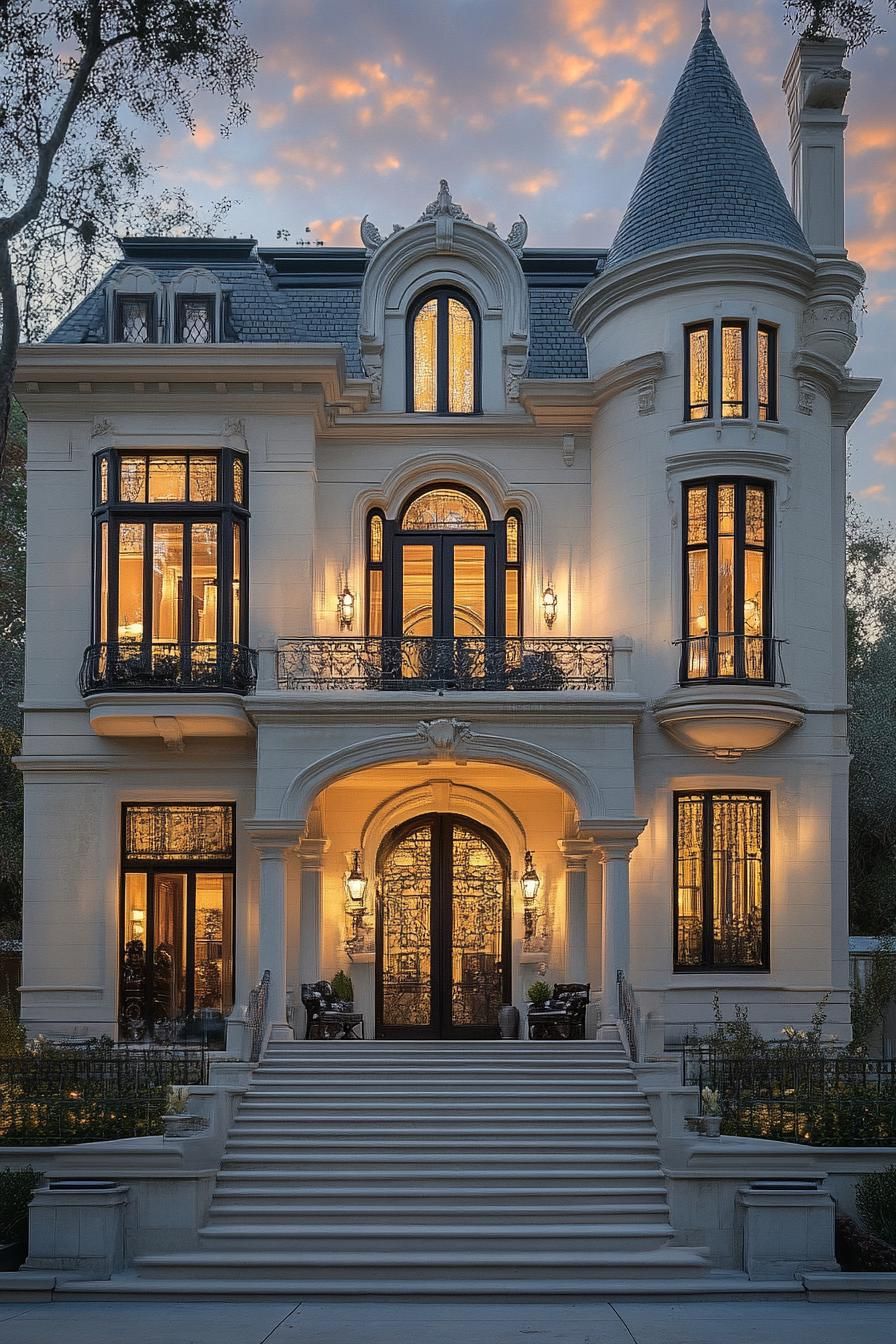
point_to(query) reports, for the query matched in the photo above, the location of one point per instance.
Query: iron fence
(830, 1098)
(463, 664)
(731, 658)
(257, 1016)
(79, 1094)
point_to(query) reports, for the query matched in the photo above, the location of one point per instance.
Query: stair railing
(257, 1017)
(629, 1014)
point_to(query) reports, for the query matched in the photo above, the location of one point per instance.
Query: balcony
(415, 663)
(732, 696)
(168, 667)
(168, 690)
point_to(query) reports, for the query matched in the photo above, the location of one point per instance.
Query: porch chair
(562, 1016)
(334, 1018)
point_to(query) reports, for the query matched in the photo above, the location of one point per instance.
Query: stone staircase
(439, 1168)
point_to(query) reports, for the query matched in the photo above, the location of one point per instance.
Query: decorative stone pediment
(444, 735)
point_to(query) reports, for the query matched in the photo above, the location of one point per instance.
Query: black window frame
(189, 867)
(442, 293)
(771, 406)
(743, 326)
(149, 301)
(210, 302)
(741, 484)
(691, 406)
(708, 964)
(223, 511)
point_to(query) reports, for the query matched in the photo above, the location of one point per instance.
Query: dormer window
(443, 354)
(194, 319)
(134, 319)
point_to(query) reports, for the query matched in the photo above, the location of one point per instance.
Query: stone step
(273, 1187)
(396, 1274)
(372, 1090)
(444, 1130)
(440, 1069)
(232, 1207)
(273, 1112)
(299, 1168)
(435, 1241)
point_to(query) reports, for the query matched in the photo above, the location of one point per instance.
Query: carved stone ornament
(516, 238)
(443, 205)
(235, 428)
(373, 367)
(829, 330)
(101, 427)
(806, 397)
(827, 88)
(647, 397)
(514, 370)
(568, 449)
(443, 735)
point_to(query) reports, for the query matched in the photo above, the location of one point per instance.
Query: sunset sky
(540, 107)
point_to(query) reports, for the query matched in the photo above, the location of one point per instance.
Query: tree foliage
(871, 671)
(854, 20)
(81, 79)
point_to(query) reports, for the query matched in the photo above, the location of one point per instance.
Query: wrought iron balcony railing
(731, 659)
(416, 663)
(132, 666)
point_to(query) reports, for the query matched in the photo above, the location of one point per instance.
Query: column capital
(576, 852)
(273, 835)
(312, 850)
(614, 838)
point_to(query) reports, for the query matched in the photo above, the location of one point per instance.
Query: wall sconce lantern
(355, 908)
(549, 605)
(345, 607)
(356, 882)
(530, 881)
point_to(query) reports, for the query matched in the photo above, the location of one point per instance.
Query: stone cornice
(570, 403)
(848, 396)
(406, 708)
(686, 268)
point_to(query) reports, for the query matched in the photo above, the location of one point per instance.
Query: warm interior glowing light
(530, 881)
(549, 603)
(345, 607)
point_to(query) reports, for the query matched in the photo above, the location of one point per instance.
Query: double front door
(443, 930)
(444, 587)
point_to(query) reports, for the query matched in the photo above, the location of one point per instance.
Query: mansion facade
(451, 612)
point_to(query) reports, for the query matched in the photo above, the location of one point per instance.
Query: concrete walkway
(763, 1322)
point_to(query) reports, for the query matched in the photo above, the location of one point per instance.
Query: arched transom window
(443, 354)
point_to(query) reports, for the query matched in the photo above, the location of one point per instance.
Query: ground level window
(721, 885)
(177, 921)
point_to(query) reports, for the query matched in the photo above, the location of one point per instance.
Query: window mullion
(708, 881)
(740, 547)
(712, 547)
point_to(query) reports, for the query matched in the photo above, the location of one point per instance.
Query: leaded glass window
(194, 319)
(444, 509)
(734, 370)
(727, 593)
(178, 831)
(443, 354)
(698, 372)
(767, 372)
(134, 319)
(721, 881)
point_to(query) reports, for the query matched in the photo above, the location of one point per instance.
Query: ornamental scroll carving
(828, 329)
(444, 735)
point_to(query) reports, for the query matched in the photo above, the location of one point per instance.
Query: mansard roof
(708, 175)
(310, 293)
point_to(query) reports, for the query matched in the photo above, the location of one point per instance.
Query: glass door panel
(468, 614)
(477, 931)
(417, 606)
(212, 944)
(405, 931)
(169, 950)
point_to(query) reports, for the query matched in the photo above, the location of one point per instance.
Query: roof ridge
(708, 174)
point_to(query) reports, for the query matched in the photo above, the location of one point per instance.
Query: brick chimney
(816, 85)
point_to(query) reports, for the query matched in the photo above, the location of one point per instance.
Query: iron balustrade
(257, 1016)
(168, 665)
(731, 659)
(629, 1013)
(829, 1097)
(467, 663)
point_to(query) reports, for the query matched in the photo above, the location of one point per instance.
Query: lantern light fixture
(530, 881)
(356, 882)
(549, 605)
(345, 606)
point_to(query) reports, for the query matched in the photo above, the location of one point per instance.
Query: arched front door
(443, 929)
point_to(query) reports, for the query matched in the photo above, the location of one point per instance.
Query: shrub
(12, 1033)
(876, 1203)
(859, 1252)
(16, 1189)
(539, 992)
(343, 987)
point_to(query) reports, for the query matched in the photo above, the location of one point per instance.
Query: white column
(576, 854)
(615, 843)
(311, 855)
(272, 840)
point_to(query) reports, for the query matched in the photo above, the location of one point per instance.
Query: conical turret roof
(708, 175)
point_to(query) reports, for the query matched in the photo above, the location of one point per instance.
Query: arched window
(444, 568)
(443, 354)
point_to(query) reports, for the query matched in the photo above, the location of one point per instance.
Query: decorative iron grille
(257, 1016)
(173, 831)
(629, 1013)
(731, 658)
(168, 665)
(470, 663)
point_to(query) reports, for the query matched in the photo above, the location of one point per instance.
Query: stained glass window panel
(104, 582)
(442, 510)
(755, 527)
(132, 480)
(696, 514)
(733, 372)
(406, 905)
(477, 915)
(237, 584)
(375, 614)
(167, 479)
(194, 321)
(133, 318)
(699, 390)
(460, 358)
(376, 539)
(512, 603)
(239, 481)
(513, 540)
(179, 831)
(203, 479)
(104, 480)
(737, 878)
(425, 347)
(766, 373)
(204, 581)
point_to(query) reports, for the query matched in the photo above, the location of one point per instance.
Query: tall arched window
(443, 354)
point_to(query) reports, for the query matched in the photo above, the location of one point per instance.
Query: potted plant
(344, 989)
(539, 992)
(712, 1112)
(176, 1122)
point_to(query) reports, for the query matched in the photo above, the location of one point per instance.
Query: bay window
(721, 906)
(170, 545)
(746, 384)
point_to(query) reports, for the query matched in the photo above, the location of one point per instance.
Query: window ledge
(726, 721)
(719, 424)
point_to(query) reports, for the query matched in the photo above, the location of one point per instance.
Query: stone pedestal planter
(784, 1229)
(78, 1227)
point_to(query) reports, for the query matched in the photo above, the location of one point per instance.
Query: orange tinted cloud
(533, 186)
(342, 87)
(388, 164)
(204, 135)
(639, 36)
(272, 115)
(871, 491)
(343, 232)
(887, 454)
(883, 412)
(862, 139)
(267, 178)
(875, 253)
